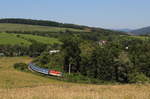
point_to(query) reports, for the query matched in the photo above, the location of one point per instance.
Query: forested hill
(57, 24)
(142, 31)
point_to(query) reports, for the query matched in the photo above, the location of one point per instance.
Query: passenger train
(44, 71)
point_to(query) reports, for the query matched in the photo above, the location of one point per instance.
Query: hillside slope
(41, 23)
(142, 31)
(11, 39)
(24, 39)
(15, 84)
(11, 78)
(30, 28)
(60, 26)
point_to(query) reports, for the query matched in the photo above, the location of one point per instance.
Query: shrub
(78, 78)
(138, 78)
(21, 66)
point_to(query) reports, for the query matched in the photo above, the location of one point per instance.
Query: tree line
(41, 23)
(33, 50)
(126, 61)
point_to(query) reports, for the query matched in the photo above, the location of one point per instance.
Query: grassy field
(12, 39)
(21, 85)
(140, 37)
(11, 78)
(41, 39)
(22, 27)
(135, 37)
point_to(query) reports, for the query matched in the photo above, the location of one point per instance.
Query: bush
(78, 78)
(21, 66)
(138, 78)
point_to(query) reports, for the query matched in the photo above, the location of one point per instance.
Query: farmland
(15, 84)
(130, 37)
(22, 27)
(13, 39)
(95, 65)
(41, 39)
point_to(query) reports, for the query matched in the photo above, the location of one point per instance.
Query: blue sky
(112, 14)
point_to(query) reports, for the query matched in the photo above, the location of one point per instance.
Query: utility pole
(70, 62)
(69, 68)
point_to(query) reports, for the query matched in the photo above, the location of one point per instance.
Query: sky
(111, 14)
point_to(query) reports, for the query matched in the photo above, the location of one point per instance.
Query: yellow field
(11, 78)
(20, 85)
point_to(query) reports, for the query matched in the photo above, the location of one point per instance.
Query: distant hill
(41, 23)
(125, 30)
(55, 29)
(142, 31)
(56, 24)
(30, 28)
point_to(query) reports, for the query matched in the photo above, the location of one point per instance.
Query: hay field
(77, 91)
(11, 78)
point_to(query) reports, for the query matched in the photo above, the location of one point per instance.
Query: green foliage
(21, 67)
(56, 62)
(44, 58)
(138, 78)
(72, 53)
(110, 62)
(36, 49)
(51, 61)
(140, 56)
(78, 78)
(100, 64)
(22, 44)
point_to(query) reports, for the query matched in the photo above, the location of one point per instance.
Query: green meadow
(24, 39)
(12, 39)
(41, 39)
(23, 27)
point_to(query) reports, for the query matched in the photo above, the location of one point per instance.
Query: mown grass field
(12, 39)
(140, 37)
(22, 27)
(135, 37)
(22, 85)
(45, 40)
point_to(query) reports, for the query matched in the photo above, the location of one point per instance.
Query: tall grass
(22, 85)
(11, 78)
(76, 91)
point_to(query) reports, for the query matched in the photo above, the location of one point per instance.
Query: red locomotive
(55, 73)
